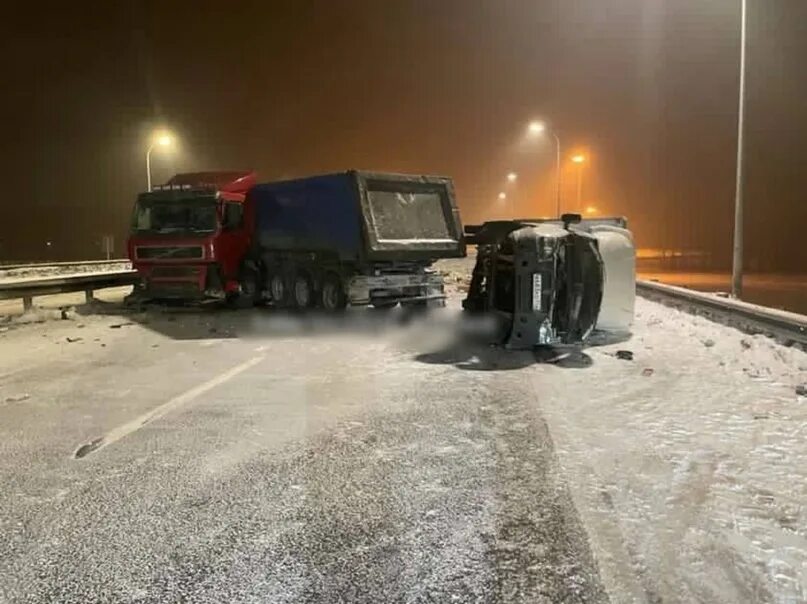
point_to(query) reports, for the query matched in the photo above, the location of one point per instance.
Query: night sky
(647, 88)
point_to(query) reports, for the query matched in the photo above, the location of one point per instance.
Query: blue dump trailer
(352, 238)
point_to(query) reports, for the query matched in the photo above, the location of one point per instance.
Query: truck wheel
(248, 295)
(333, 296)
(277, 289)
(303, 292)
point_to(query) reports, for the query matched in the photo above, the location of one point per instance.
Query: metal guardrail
(28, 288)
(787, 327)
(46, 265)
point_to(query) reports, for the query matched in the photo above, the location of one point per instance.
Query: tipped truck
(554, 281)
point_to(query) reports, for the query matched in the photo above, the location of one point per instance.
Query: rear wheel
(277, 289)
(333, 296)
(303, 292)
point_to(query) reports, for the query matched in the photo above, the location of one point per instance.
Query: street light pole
(148, 167)
(557, 174)
(737, 259)
(580, 186)
(163, 140)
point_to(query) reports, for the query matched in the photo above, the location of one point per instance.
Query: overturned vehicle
(553, 281)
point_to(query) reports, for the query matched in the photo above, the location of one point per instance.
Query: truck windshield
(196, 216)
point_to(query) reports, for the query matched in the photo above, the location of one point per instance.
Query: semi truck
(553, 281)
(351, 238)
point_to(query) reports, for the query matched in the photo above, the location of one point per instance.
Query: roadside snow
(40, 271)
(688, 464)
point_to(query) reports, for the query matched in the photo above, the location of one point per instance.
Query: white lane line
(121, 431)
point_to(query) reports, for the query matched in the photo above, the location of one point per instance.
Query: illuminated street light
(591, 210)
(535, 128)
(512, 177)
(502, 196)
(578, 159)
(161, 139)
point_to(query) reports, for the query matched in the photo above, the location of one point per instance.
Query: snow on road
(688, 465)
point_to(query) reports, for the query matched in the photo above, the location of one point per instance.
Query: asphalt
(226, 457)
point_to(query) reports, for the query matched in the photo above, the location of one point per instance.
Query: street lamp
(512, 177)
(536, 128)
(502, 196)
(161, 139)
(579, 160)
(737, 257)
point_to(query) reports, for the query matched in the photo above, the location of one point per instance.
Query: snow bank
(688, 464)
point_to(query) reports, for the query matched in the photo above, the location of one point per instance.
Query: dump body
(375, 234)
(360, 216)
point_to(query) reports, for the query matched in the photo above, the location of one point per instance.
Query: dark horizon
(648, 88)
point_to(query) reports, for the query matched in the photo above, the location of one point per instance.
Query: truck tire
(332, 296)
(278, 290)
(249, 292)
(303, 291)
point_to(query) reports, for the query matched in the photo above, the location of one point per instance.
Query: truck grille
(168, 252)
(175, 272)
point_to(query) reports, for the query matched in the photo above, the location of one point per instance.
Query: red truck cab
(190, 236)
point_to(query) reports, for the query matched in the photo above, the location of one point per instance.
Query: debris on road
(71, 340)
(624, 355)
(119, 325)
(647, 371)
(709, 343)
(801, 389)
(17, 398)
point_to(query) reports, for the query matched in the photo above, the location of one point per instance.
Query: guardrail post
(27, 303)
(88, 297)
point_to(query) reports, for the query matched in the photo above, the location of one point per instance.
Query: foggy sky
(647, 87)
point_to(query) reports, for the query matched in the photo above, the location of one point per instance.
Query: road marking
(121, 431)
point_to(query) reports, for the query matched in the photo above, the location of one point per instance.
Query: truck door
(233, 240)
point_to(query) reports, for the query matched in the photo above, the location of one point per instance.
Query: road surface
(240, 466)
(195, 456)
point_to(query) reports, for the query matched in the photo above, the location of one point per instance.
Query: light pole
(539, 128)
(162, 140)
(512, 177)
(579, 160)
(739, 185)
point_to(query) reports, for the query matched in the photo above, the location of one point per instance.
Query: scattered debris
(624, 355)
(17, 398)
(801, 389)
(119, 325)
(647, 371)
(708, 342)
(71, 340)
(745, 344)
(80, 326)
(88, 448)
